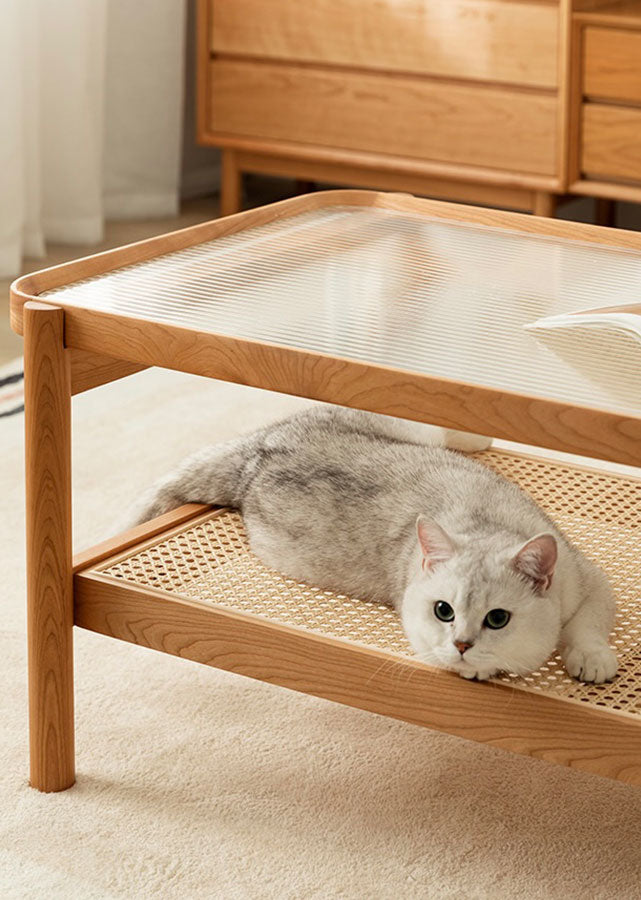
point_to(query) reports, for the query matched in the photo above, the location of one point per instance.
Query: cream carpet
(195, 783)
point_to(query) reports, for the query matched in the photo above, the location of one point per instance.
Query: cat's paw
(472, 673)
(465, 441)
(590, 665)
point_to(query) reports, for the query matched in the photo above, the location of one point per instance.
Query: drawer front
(480, 39)
(402, 116)
(612, 64)
(611, 142)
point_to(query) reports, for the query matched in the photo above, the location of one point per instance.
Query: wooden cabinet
(606, 160)
(500, 102)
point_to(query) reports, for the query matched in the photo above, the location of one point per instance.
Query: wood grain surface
(462, 123)
(49, 574)
(375, 162)
(488, 40)
(611, 145)
(525, 722)
(231, 187)
(612, 64)
(609, 13)
(451, 404)
(615, 190)
(90, 370)
(403, 178)
(137, 535)
(569, 96)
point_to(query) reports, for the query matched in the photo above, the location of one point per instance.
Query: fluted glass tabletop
(426, 295)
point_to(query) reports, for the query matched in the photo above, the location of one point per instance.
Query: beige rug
(195, 783)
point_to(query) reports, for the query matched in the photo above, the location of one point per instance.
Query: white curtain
(91, 95)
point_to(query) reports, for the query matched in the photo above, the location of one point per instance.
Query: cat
(368, 505)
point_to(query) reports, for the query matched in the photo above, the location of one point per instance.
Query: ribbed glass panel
(396, 288)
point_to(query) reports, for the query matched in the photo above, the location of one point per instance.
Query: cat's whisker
(430, 659)
(402, 668)
(388, 665)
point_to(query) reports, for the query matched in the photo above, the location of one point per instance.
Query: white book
(605, 347)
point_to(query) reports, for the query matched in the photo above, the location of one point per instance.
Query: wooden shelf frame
(68, 350)
(562, 731)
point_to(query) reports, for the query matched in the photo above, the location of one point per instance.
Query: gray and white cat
(362, 504)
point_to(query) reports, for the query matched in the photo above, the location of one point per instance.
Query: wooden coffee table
(377, 301)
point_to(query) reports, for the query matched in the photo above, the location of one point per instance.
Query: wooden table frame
(69, 350)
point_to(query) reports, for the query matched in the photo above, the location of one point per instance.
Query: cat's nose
(462, 646)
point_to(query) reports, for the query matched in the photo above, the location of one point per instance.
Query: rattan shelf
(205, 564)
(380, 302)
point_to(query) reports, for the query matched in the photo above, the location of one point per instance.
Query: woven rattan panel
(601, 513)
(440, 298)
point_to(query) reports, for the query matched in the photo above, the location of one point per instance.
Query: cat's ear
(436, 545)
(536, 561)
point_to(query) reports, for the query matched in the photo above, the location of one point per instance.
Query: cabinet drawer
(480, 39)
(611, 145)
(400, 115)
(612, 64)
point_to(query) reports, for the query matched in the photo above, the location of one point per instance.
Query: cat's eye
(497, 618)
(443, 611)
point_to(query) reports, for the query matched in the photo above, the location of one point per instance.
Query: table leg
(49, 549)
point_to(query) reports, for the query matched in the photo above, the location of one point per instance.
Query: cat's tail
(209, 476)
(417, 432)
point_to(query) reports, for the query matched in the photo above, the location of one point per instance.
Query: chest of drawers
(499, 102)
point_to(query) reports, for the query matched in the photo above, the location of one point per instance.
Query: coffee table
(383, 302)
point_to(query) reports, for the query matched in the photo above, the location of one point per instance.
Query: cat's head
(482, 607)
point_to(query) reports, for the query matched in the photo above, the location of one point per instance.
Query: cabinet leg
(544, 204)
(49, 551)
(230, 184)
(304, 186)
(604, 212)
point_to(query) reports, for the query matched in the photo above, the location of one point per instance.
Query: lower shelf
(197, 591)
